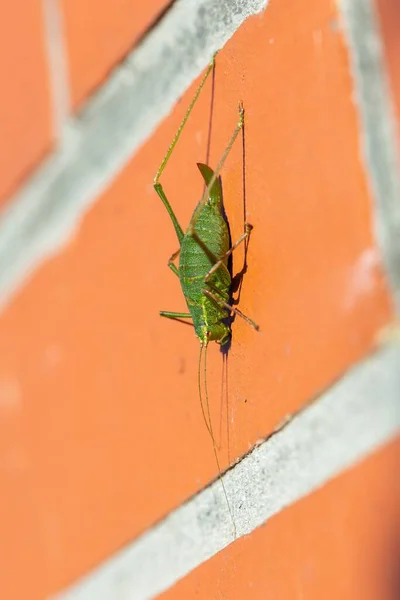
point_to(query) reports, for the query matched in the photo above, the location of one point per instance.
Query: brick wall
(105, 462)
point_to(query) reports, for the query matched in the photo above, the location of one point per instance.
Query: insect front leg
(175, 315)
(213, 295)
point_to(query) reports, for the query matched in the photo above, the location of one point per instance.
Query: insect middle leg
(177, 316)
(213, 292)
(171, 263)
(221, 261)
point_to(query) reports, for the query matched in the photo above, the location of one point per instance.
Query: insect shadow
(237, 279)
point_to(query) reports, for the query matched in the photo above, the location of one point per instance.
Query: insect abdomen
(196, 261)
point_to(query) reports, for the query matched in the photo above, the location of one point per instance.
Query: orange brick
(110, 436)
(99, 37)
(25, 111)
(389, 12)
(339, 542)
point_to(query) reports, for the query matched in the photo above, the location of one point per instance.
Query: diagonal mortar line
(354, 417)
(95, 145)
(379, 135)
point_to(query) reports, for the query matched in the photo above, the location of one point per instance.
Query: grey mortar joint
(96, 144)
(379, 132)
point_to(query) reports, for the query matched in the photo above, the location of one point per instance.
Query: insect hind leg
(156, 183)
(217, 171)
(183, 122)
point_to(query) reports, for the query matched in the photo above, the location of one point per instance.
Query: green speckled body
(196, 260)
(204, 251)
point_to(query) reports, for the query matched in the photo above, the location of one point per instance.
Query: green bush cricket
(204, 250)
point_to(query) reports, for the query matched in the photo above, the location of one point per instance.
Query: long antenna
(210, 430)
(208, 423)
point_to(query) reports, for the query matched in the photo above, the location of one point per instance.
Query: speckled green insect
(205, 248)
(204, 251)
